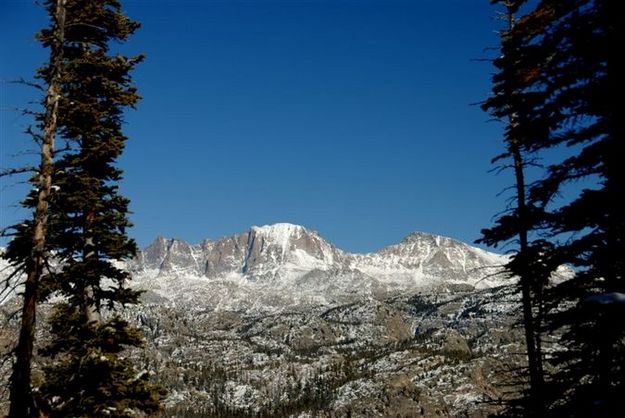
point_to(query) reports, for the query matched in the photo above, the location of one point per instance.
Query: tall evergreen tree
(583, 75)
(28, 250)
(570, 49)
(515, 97)
(89, 372)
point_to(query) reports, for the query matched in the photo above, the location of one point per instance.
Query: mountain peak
(281, 229)
(285, 236)
(286, 252)
(278, 247)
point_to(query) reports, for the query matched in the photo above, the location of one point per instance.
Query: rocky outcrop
(289, 265)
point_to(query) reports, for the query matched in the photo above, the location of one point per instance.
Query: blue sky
(353, 118)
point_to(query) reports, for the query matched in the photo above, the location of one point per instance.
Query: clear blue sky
(353, 118)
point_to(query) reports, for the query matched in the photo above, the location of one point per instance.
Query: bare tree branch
(25, 82)
(15, 171)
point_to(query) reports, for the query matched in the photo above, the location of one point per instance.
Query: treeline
(557, 89)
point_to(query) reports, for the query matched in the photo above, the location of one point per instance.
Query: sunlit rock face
(285, 265)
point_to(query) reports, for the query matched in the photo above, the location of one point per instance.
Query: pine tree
(574, 80)
(583, 75)
(89, 372)
(514, 101)
(27, 251)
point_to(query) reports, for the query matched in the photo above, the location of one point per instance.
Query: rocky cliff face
(285, 265)
(255, 253)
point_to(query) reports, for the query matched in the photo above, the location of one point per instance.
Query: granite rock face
(289, 265)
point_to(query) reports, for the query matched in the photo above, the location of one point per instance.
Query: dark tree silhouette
(514, 98)
(582, 73)
(565, 57)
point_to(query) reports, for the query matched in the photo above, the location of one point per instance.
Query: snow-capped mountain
(261, 252)
(277, 321)
(289, 265)
(419, 328)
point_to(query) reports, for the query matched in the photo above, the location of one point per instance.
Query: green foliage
(89, 372)
(457, 356)
(93, 376)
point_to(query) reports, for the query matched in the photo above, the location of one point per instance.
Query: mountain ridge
(408, 238)
(287, 265)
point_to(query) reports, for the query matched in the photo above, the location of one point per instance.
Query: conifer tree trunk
(22, 402)
(534, 356)
(90, 309)
(532, 337)
(511, 102)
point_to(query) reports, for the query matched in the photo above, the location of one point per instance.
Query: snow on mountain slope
(286, 265)
(274, 267)
(429, 259)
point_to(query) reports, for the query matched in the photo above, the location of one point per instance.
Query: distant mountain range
(277, 321)
(286, 265)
